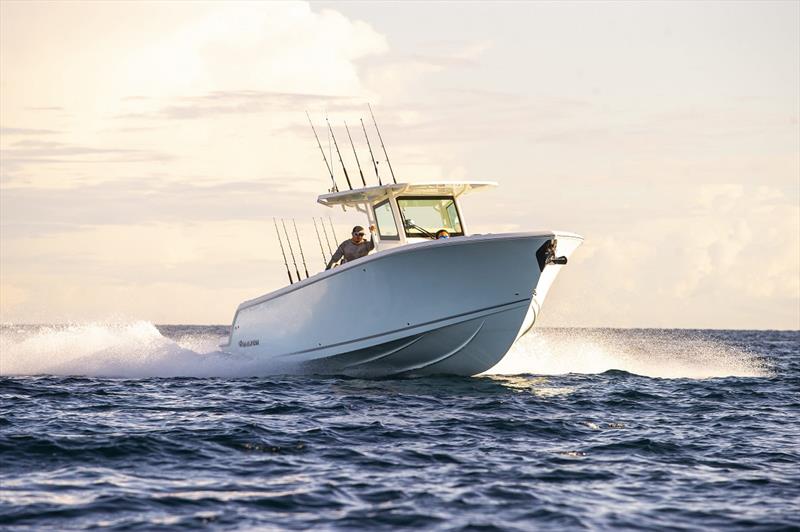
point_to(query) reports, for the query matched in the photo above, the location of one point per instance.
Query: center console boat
(415, 305)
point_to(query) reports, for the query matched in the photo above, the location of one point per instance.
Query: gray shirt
(351, 251)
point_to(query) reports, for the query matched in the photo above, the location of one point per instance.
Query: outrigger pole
(291, 281)
(336, 145)
(328, 166)
(382, 145)
(300, 245)
(374, 164)
(288, 241)
(325, 262)
(355, 154)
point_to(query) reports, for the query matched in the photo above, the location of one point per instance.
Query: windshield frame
(375, 208)
(416, 234)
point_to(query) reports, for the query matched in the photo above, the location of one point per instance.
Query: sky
(146, 146)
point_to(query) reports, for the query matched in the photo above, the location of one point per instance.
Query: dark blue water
(644, 429)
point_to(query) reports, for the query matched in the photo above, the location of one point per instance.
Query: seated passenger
(353, 248)
(442, 233)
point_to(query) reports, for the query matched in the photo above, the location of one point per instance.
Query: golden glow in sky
(146, 147)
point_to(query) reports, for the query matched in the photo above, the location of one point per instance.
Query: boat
(416, 305)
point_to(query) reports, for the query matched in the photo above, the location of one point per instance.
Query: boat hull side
(567, 244)
(441, 290)
(464, 348)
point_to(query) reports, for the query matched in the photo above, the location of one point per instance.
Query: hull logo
(248, 343)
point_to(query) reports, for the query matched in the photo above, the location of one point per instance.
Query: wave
(140, 350)
(133, 350)
(670, 354)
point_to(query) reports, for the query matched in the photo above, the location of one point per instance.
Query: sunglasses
(358, 234)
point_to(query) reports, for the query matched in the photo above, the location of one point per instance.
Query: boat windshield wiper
(409, 224)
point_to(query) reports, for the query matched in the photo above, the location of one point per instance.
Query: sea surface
(131, 426)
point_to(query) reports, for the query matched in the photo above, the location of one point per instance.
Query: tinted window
(387, 228)
(423, 214)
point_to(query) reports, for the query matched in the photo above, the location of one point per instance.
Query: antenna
(382, 145)
(332, 231)
(328, 166)
(336, 145)
(320, 242)
(300, 245)
(374, 164)
(325, 232)
(291, 281)
(355, 154)
(288, 241)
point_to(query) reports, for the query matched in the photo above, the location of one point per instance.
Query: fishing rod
(328, 166)
(300, 245)
(291, 281)
(325, 232)
(288, 241)
(355, 154)
(382, 145)
(325, 262)
(336, 145)
(374, 164)
(333, 232)
(330, 148)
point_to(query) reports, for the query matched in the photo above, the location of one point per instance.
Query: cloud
(732, 251)
(21, 131)
(201, 86)
(279, 47)
(246, 102)
(174, 50)
(30, 155)
(31, 211)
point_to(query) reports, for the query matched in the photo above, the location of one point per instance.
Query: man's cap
(358, 229)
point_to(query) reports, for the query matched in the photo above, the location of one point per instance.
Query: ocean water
(136, 427)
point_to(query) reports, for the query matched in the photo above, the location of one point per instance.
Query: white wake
(651, 353)
(133, 350)
(139, 350)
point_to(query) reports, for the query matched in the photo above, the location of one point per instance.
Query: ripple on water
(615, 442)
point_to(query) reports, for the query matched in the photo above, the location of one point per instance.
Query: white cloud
(737, 253)
(242, 69)
(275, 46)
(123, 50)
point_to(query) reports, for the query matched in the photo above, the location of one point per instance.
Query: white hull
(439, 307)
(567, 244)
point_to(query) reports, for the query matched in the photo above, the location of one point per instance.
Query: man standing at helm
(353, 248)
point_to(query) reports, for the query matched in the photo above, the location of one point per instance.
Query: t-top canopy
(373, 194)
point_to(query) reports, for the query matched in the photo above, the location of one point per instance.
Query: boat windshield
(428, 214)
